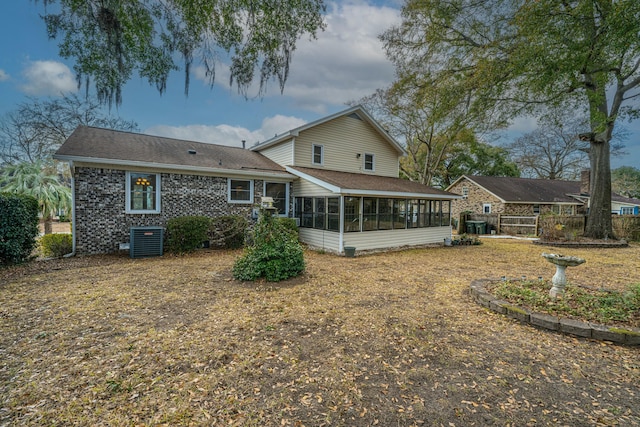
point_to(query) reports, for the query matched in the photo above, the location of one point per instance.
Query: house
(529, 197)
(338, 176)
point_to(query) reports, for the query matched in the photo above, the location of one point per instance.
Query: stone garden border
(553, 323)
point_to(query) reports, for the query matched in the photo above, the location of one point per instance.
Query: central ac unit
(145, 242)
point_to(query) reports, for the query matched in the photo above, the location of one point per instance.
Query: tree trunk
(599, 224)
(48, 225)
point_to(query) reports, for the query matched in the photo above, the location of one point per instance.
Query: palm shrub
(18, 227)
(187, 233)
(274, 254)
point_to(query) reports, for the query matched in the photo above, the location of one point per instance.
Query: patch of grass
(594, 305)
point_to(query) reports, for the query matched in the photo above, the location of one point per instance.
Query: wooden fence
(554, 226)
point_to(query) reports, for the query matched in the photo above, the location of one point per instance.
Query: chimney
(585, 181)
(244, 142)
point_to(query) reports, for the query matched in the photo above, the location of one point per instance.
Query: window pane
(333, 216)
(446, 213)
(317, 154)
(399, 214)
(369, 214)
(278, 191)
(307, 212)
(412, 212)
(352, 214)
(240, 190)
(385, 216)
(423, 218)
(143, 191)
(319, 213)
(368, 162)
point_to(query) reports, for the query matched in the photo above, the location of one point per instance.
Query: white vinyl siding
(396, 238)
(281, 153)
(344, 141)
(303, 188)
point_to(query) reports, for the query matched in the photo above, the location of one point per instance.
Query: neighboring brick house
(529, 197)
(338, 176)
(516, 196)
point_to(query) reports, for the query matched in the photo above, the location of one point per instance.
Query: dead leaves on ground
(386, 339)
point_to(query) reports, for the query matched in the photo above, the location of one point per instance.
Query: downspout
(73, 213)
(341, 237)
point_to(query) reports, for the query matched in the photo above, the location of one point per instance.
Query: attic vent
(192, 151)
(145, 242)
(355, 116)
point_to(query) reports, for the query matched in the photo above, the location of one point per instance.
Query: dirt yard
(387, 339)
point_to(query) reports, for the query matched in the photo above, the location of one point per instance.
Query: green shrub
(228, 232)
(56, 245)
(275, 253)
(288, 223)
(186, 233)
(18, 227)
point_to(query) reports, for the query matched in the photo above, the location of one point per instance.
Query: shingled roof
(96, 145)
(525, 190)
(357, 183)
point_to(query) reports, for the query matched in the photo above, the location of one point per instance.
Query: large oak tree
(520, 55)
(110, 40)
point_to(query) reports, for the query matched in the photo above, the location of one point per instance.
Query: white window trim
(127, 188)
(313, 154)
(373, 162)
(484, 208)
(264, 191)
(627, 209)
(240, 202)
(465, 193)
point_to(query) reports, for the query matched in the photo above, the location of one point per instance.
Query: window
(369, 214)
(240, 191)
(143, 192)
(385, 214)
(368, 162)
(319, 213)
(333, 213)
(351, 214)
(486, 208)
(399, 214)
(279, 191)
(536, 209)
(626, 210)
(465, 193)
(318, 154)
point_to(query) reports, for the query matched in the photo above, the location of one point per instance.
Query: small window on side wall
(369, 163)
(240, 191)
(142, 192)
(486, 208)
(318, 154)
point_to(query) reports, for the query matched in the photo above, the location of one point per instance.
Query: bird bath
(559, 279)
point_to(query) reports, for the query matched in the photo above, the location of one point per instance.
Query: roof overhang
(345, 191)
(184, 168)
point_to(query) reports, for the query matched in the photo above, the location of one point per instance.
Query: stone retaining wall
(564, 325)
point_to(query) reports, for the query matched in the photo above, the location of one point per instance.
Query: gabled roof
(106, 146)
(624, 200)
(358, 110)
(361, 184)
(525, 190)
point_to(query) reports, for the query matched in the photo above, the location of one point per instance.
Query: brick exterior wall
(476, 198)
(101, 221)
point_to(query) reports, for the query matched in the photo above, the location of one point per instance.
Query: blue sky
(345, 63)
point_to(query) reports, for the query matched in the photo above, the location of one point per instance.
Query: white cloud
(48, 78)
(345, 63)
(228, 135)
(3, 76)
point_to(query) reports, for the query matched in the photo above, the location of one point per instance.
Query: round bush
(56, 245)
